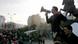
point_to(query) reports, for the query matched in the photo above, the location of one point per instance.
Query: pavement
(47, 41)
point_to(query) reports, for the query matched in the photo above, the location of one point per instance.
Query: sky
(18, 11)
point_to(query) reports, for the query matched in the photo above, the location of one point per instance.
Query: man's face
(54, 11)
(66, 31)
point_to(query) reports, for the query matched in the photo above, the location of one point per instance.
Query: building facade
(35, 20)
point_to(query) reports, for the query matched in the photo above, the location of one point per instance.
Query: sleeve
(48, 20)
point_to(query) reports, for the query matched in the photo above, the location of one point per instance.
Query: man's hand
(46, 14)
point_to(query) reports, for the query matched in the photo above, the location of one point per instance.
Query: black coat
(73, 39)
(55, 21)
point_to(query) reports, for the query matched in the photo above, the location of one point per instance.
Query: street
(47, 41)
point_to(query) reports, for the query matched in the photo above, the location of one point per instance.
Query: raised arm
(47, 19)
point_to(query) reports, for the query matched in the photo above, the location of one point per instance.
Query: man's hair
(69, 27)
(55, 8)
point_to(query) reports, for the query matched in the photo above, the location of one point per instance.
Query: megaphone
(44, 10)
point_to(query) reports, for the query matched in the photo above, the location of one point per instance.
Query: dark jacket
(73, 39)
(55, 21)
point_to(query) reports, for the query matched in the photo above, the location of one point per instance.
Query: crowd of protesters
(18, 37)
(8, 37)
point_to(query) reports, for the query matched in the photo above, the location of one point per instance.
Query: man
(69, 36)
(55, 20)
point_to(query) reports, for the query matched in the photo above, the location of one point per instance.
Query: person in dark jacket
(55, 19)
(69, 36)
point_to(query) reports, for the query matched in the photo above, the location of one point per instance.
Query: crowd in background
(18, 37)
